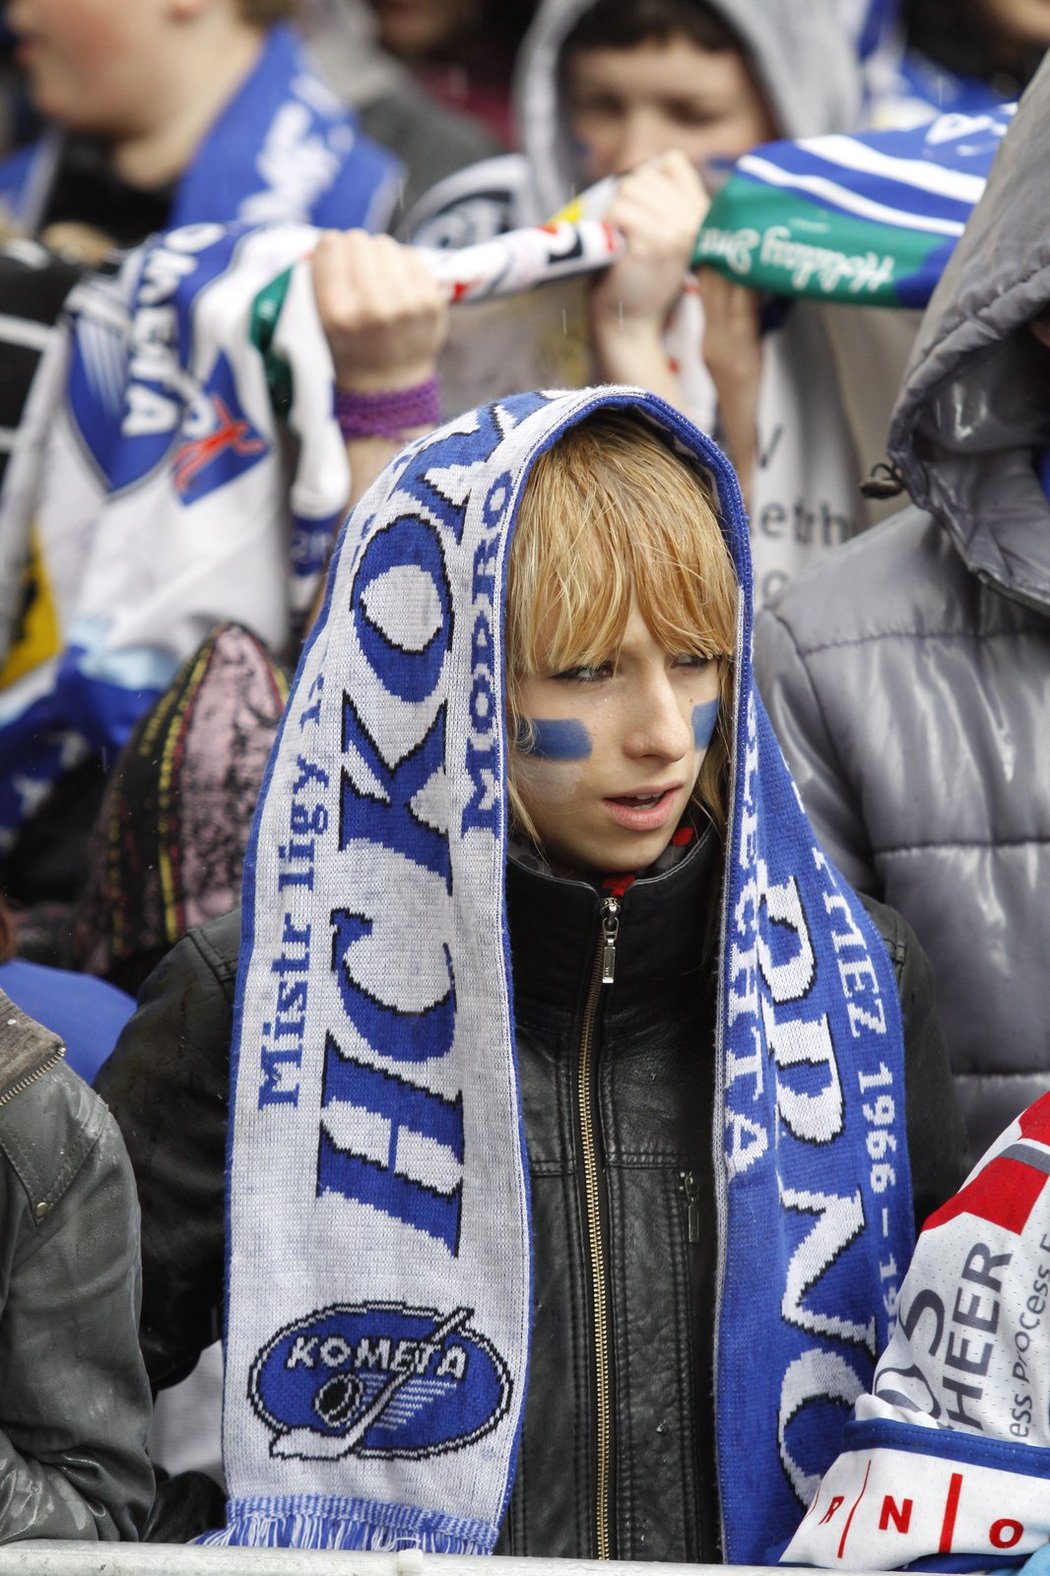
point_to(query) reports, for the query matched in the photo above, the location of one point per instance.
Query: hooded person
(907, 678)
(688, 85)
(556, 1038)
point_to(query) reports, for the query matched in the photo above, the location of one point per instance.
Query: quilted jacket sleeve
(813, 754)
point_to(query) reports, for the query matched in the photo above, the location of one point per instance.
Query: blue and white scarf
(152, 493)
(378, 1313)
(284, 149)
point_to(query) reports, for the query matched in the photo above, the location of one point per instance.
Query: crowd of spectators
(523, 815)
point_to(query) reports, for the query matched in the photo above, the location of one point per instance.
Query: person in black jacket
(621, 659)
(74, 1403)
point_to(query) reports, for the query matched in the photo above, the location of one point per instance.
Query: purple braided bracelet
(388, 413)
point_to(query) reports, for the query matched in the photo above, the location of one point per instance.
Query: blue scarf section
(378, 1308)
(284, 148)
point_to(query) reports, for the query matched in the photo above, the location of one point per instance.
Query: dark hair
(265, 13)
(624, 24)
(959, 36)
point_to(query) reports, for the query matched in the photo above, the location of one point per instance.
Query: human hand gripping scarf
(378, 1310)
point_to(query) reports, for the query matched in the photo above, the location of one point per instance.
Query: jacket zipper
(31, 1077)
(687, 1186)
(602, 974)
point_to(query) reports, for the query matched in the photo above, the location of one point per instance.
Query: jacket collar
(26, 1048)
(665, 932)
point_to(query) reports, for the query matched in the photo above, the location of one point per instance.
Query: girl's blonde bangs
(609, 513)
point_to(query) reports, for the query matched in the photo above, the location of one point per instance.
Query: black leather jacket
(617, 1085)
(74, 1403)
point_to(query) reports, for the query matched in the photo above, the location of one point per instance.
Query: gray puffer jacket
(908, 674)
(74, 1399)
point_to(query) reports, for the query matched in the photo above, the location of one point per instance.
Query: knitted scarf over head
(378, 1314)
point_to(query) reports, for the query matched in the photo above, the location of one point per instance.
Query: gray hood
(974, 407)
(798, 52)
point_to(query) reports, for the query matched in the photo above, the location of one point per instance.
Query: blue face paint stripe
(554, 739)
(704, 719)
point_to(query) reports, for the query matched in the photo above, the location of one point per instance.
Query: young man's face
(626, 105)
(617, 752)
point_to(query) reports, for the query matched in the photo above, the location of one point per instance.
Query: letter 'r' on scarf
(378, 1315)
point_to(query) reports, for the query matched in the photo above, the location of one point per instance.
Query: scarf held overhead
(150, 494)
(870, 218)
(378, 1309)
(158, 501)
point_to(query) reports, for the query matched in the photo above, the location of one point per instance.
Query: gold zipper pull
(687, 1186)
(610, 929)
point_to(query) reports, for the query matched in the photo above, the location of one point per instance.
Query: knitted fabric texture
(946, 1465)
(377, 1342)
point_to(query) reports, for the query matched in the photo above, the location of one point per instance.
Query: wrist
(364, 379)
(616, 338)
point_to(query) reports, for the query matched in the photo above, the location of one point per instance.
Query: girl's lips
(643, 817)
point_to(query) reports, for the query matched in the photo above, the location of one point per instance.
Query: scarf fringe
(312, 1521)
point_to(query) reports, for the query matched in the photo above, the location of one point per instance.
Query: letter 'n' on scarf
(377, 1342)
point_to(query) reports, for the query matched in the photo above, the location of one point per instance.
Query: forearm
(369, 456)
(738, 429)
(39, 1500)
(636, 355)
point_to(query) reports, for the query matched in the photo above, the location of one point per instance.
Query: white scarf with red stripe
(948, 1459)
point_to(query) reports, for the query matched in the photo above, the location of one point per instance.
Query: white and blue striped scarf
(870, 218)
(378, 1315)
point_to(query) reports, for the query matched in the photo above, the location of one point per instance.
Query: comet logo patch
(378, 1380)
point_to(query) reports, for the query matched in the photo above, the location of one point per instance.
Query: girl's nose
(660, 727)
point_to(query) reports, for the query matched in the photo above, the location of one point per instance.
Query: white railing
(186, 1559)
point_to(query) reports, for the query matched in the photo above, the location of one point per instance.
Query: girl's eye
(691, 659)
(585, 675)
